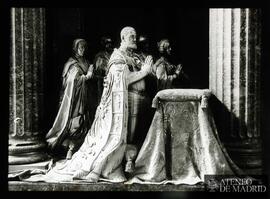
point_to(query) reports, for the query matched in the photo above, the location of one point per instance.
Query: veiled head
(79, 47)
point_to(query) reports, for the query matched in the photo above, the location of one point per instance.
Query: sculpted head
(164, 47)
(79, 47)
(128, 38)
(106, 43)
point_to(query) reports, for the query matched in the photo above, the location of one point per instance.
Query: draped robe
(75, 113)
(104, 146)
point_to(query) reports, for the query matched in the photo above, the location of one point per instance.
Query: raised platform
(41, 186)
(20, 167)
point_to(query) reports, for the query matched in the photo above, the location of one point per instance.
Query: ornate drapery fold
(182, 144)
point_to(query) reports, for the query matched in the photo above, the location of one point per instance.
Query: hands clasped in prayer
(114, 126)
(148, 64)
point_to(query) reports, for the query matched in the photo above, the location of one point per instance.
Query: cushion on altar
(181, 95)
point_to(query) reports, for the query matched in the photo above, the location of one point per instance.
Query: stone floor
(41, 186)
(16, 185)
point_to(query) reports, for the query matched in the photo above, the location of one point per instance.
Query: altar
(236, 82)
(182, 144)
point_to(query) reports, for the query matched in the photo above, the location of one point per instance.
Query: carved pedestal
(235, 49)
(26, 140)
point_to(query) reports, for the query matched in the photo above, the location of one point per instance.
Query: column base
(26, 152)
(247, 155)
(27, 158)
(22, 167)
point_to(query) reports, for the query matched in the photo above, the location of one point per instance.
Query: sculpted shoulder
(117, 56)
(117, 61)
(102, 55)
(159, 63)
(71, 61)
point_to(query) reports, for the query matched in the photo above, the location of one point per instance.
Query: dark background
(191, 22)
(186, 28)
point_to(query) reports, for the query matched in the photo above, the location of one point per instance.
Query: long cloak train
(104, 146)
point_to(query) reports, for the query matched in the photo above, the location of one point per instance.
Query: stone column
(26, 140)
(235, 47)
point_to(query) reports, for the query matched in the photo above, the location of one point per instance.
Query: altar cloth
(182, 144)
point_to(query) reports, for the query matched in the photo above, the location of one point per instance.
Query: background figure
(165, 71)
(101, 62)
(143, 47)
(75, 113)
(101, 155)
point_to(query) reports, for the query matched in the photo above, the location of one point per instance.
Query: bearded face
(129, 40)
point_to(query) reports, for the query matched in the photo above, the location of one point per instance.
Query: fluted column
(235, 47)
(26, 141)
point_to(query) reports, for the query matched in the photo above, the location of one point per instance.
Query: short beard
(132, 46)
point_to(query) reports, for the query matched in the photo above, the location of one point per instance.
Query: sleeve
(80, 91)
(80, 78)
(161, 72)
(100, 66)
(163, 80)
(135, 76)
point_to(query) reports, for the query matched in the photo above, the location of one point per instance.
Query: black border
(5, 6)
